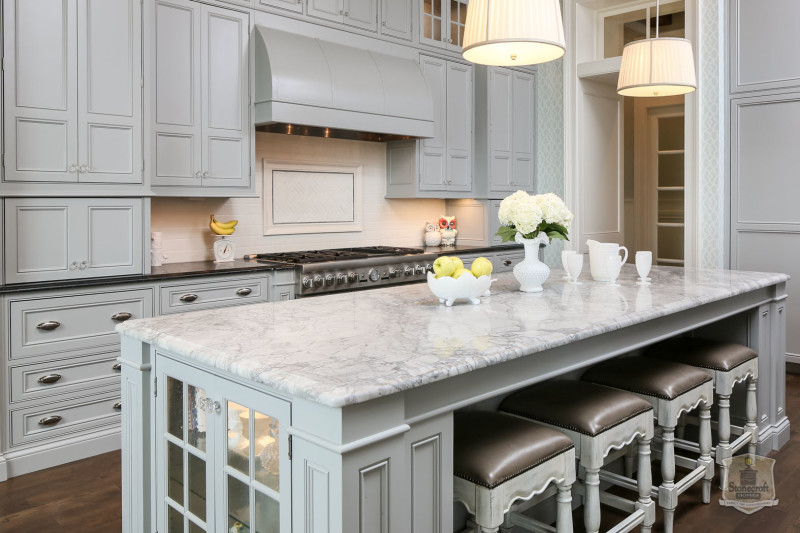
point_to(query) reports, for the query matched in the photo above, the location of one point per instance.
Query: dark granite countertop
(169, 271)
(173, 271)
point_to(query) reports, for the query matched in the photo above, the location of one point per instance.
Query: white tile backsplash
(184, 221)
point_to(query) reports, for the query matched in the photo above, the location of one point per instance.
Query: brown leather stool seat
(703, 353)
(671, 388)
(578, 406)
(650, 377)
(500, 459)
(491, 448)
(598, 420)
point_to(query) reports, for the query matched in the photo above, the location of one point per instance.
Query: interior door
(524, 132)
(109, 88)
(225, 98)
(501, 131)
(600, 165)
(40, 90)
(459, 126)
(177, 116)
(432, 150)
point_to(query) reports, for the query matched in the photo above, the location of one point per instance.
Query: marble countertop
(344, 349)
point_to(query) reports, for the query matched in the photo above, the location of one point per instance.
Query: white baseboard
(64, 451)
(3, 468)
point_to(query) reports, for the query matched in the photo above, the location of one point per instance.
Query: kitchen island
(335, 413)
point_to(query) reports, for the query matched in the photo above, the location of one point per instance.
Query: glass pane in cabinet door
(196, 417)
(670, 133)
(194, 528)
(238, 506)
(197, 486)
(175, 407)
(239, 438)
(175, 473)
(267, 452)
(174, 521)
(268, 514)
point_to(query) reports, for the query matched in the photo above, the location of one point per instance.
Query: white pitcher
(599, 253)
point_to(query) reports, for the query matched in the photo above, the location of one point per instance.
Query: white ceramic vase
(531, 272)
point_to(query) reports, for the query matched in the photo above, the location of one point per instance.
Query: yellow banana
(225, 225)
(219, 230)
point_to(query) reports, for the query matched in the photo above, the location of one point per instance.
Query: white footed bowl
(467, 287)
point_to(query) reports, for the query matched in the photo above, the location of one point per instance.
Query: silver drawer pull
(50, 325)
(49, 378)
(121, 317)
(118, 406)
(188, 297)
(117, 367)
(244, 292)
(507, 262)
(50, 420)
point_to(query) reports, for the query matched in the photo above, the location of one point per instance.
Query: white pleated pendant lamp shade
(513, 32)
(657, 67)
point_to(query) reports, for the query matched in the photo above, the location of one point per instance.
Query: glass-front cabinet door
(443, 23)
(223, 460)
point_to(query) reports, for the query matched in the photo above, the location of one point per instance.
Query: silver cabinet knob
(450, 41)
(49, 378)
(73, 265)
(507, 262)
(198, 174)
(188, 297)
(50, 325)
(118, 406)
(244, 292)
(83, 169)
(117, 367)
(83, 265)
(346, 13)
(73, 168)
(121, 317)
(205, 174)
(50, 420)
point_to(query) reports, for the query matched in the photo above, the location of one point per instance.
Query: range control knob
(318, 281)
(409, 271)
(329, 280)
(352, 277)
(394, 272)
(419, 269)
(429, 268)
(374, 275)
(308, 282)
(341, 279)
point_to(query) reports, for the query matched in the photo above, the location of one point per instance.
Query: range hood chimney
(306, 86)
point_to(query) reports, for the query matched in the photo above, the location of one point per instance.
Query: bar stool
(499, 459)
(728, 364)
(671, 388)
(598, 420)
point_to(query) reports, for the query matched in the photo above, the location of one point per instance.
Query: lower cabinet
(222, 454)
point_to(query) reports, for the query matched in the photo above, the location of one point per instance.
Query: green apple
(460, 272)
(458, 262)
(481, 267)
(444, 266)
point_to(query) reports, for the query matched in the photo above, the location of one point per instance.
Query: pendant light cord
(658, 15)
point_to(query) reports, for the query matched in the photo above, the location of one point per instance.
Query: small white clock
(224, 249)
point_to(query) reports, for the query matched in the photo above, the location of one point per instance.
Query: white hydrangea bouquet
(530, 216)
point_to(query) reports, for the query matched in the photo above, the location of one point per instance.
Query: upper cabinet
(439, 166)
(359, 13)
(506, 130)
(442, 23)
(72, 92)
(200, 100)
(396, 18)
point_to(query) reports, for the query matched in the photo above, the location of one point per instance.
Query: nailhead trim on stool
(499, 459)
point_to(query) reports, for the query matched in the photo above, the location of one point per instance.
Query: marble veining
(344, 349)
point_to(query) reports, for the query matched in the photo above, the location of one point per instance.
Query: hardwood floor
(84, 497)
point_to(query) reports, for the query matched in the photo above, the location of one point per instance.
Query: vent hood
(308, 86)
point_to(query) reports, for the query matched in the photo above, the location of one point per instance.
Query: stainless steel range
(347, 269)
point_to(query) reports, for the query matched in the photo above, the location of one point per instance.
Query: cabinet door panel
(109, 51)
(524, 131)
(40, 99)
(396, 18)
(114, 237)
(326, 9)
(361, 13)
(501, 119)
(226, 110)
(459, 126)
(37, 240)
(177, 109)
(432, 165)
(524, 171)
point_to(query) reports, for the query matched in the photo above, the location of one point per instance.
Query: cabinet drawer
(41, 380)
(57, 419)
(190, 297)
(506, 262)
(74, 322)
